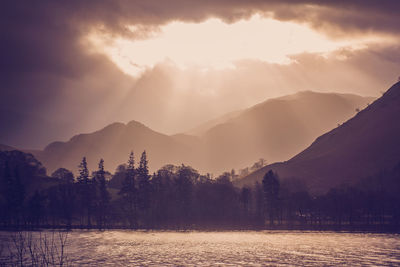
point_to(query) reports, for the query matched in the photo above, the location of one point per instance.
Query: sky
(75, 66)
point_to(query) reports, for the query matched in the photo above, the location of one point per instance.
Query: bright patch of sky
(214, 44)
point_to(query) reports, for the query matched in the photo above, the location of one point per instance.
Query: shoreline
(324, 228)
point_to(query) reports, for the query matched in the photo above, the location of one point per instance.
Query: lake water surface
(246, 248)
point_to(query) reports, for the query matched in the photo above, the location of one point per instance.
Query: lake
(246, 248)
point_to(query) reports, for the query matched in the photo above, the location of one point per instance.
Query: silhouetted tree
(300, 204)
(18, 193)
(271, 194)
(205, 206)
(259, 201)
(14, 194)
(53, 207)
(234, 176)
(68, 198)
(118, 178)
(64, 175)
(19, 171)
(86, 194)
(163, 197)
(184, 181)
(258, 165)
(244, 172)
(129, 192)
(245, 201)
(83, 177)
(143, 179)
(63, 199)
(178, 196)
(226, 199)
(36, 208)
(104, 196)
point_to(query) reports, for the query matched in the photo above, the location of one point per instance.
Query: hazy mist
(62, 84)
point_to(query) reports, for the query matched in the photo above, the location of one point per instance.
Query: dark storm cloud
(344, 16)
(379, 15)
(44, 35)
(47, 72)
(49, 30)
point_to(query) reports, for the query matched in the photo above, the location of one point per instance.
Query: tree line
(178, 197)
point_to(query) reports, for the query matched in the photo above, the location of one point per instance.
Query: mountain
(277, 129)
(114, 143)
(363, 146)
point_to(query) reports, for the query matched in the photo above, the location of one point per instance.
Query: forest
(178, 197)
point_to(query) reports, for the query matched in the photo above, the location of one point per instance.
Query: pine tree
(104, 196)
(129, 192)
(85, 189)
(271, 194)
(83, 177)
(143, 182)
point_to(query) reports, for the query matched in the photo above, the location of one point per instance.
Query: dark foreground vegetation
(35, 249)
(178, 197)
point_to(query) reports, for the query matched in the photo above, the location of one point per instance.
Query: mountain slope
(277, 129)
(363, 146)
(204, 127)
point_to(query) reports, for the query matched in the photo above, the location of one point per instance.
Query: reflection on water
(122, 248)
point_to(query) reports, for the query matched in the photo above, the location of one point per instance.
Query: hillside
(277, 129)
(363, 146)
(204, 127)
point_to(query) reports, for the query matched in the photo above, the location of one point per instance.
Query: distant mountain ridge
(360, 147)
(114, 143)
(276, 130)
